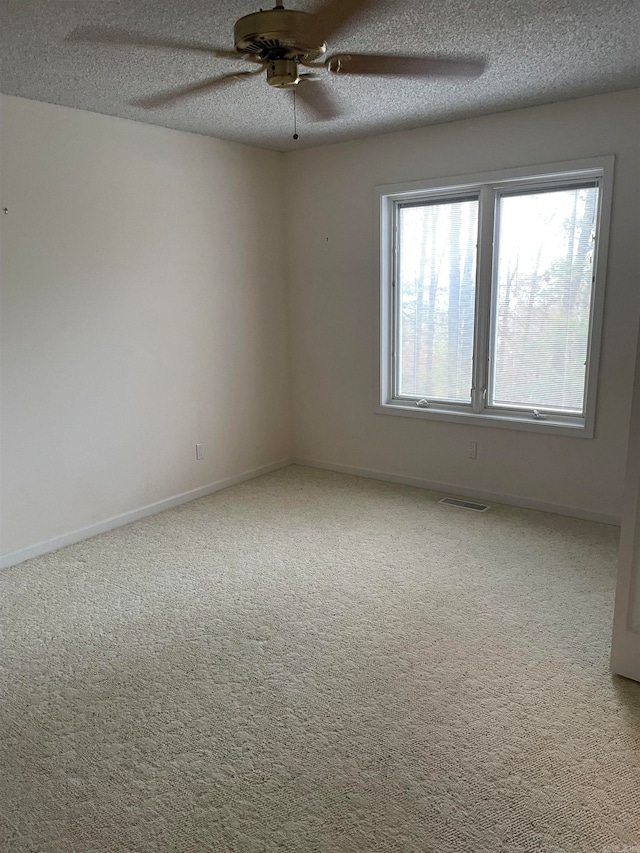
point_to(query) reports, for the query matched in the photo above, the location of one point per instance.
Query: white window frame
(488, 187)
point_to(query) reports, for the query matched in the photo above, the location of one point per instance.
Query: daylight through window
(492, 297)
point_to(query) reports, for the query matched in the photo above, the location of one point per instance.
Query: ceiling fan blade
(316, 99)
(331, 15)
(118, 38)
(405, 66)
(162, 99)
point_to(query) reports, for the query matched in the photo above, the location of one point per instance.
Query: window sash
(532, 188)
(398, 294)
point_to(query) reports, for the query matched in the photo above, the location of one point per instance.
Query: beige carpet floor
(315, 662)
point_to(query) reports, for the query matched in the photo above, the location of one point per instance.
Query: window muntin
(495, 397)
(435, 298)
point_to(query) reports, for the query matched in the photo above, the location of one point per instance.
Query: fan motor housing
(278, 34)
(282, 73)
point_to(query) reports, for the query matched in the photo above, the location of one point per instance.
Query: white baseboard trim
(57, 542)
(458, 491)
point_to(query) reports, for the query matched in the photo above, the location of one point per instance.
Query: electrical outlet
(199, 451)
(473, 450)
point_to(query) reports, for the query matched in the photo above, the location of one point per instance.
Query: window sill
(577, 428)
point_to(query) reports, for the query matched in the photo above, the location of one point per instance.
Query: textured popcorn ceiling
(537, 51)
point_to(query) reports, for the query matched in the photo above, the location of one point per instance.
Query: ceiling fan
(283, 43)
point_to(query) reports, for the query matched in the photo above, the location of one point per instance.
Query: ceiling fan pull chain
(295, 120)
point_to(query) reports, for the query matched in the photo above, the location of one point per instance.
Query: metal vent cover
(461, 503)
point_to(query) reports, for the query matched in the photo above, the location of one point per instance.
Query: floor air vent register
(463, 504)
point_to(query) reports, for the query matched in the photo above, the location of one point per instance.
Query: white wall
(143, 310)
(333, 298)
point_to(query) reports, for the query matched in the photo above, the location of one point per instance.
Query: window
(492, 294)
